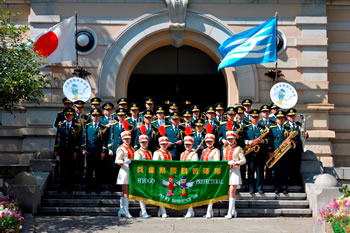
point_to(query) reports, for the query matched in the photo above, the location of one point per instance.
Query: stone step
(267, 188)
(218, 212)
(296, 204)
(114, 195)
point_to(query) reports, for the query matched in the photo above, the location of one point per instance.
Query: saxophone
(282, 149)
(248, 149)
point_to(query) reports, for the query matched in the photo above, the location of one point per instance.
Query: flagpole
(276, 65)
(76, 39)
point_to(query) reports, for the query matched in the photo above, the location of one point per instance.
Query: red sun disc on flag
(46, 44)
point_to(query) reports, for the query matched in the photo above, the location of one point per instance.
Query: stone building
(169, 49)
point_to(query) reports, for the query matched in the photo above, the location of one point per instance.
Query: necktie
(95, 126)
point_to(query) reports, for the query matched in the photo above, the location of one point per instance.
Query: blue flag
(254, 46)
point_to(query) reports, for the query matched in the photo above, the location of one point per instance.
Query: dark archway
(178, 74)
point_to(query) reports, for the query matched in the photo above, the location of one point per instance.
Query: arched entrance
(178, 74)
(151, 31)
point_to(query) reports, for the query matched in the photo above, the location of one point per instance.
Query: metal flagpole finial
(276, 14)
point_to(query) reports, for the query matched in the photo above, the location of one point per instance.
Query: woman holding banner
(188, 155)
(210, 154)
(144, 154)
(125, 152)
(234, 155)
(162, 154)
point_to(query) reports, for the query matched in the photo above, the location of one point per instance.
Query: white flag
(57, 44)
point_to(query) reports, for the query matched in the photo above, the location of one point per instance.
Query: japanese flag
(57, 44)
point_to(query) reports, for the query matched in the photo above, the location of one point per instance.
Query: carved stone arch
(151, 31)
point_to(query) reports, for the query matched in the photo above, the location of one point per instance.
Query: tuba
(248, 149)
(282, 149)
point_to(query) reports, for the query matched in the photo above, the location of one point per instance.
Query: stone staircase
(269, 204)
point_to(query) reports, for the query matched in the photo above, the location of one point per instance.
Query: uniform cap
(148, 113)
(209, 137)
(159, 109)
(121, 111)
(195, 108)
(188, 140)
(230, 110)
(254, 112)
(247, 102)
(79, 103)
(231, 134)
(107, 106)
(264, 108)
(291, 112)
(134, 106)
(65, 100)
(96, 111)
(69, 111)
(210, 109)
(149, 100)
(198, 122)
(125, 134)
(122, 100)
(280, 113)
(173, 105)
(240, 109)
(219, 106)
(163, 140)
(143, 138)
(175, 115)
(273, 106)
(96, 100)
(186, 113)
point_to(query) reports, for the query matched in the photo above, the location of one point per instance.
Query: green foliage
(20, 77)
(346, 191)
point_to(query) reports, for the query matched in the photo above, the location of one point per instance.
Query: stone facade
(314, 61)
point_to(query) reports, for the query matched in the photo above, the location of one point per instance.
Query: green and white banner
(177, 184)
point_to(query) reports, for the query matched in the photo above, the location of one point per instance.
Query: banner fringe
(176, 207)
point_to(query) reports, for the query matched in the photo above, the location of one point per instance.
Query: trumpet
(282, 149)
(256, 148)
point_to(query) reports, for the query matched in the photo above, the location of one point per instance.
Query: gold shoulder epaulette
(154, 121)
(88, 123)
(166, 126)
(60, 123)
(273, 126)
(128, 118)
(103, 125)
(60, 112)
(223, 122)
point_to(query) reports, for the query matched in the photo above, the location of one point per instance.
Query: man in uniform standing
(94, 147)
(196, 112)
(295, 153)
(175, 134)
(108, 117)
(67, 145)
(247, 104)
(187, 117)
(60, 115)
(255, 160)
(151, 132)
(122, 102)
(82, 119)
(219, 112)
(160, 117)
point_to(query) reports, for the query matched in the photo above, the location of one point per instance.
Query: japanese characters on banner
(177, 184)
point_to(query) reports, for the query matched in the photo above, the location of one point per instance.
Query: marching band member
(162, 154)
(234, 155)
(188, 155)
(125, 152)
(144, 154)
(210, 154)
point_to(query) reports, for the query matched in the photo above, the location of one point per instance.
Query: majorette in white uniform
(210, 154)
(125, 152)
(143, 154)
(235, 157)
(162, 154)
(189, 155)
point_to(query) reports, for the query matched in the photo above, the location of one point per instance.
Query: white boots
(162, 212)
(143, 212)
(190, 213)
(210, 212)
(124, 208)
(231, 209)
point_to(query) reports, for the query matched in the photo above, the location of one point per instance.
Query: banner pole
(76, 38)
(276, 65)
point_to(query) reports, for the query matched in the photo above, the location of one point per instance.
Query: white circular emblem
(284, 95)
(77, 88)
